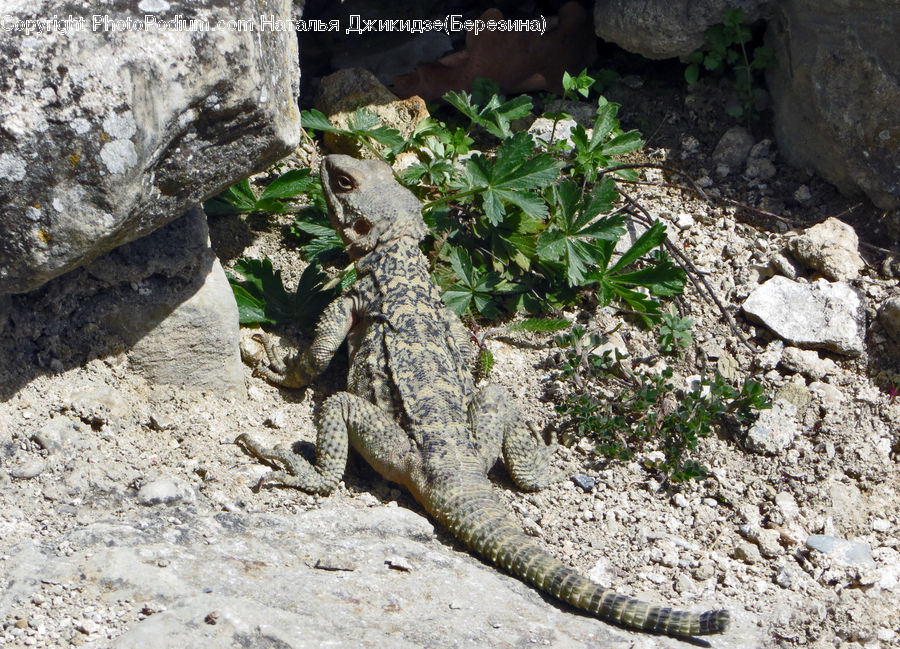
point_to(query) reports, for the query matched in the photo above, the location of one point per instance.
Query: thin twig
(691, 271)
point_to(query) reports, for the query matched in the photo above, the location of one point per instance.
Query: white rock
(542, 128)
(802, 194)
(771, 356)
(831, 397)
(808, 362)
(733, 147)
(831, 247)
(774, 430)
(684, 221)
(165, 491)
(826, 315)
(889, 317)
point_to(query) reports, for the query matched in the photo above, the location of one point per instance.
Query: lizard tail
(471, 512)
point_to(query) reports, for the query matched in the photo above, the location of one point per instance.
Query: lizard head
(366, 205)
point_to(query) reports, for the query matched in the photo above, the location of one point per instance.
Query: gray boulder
(164, 298)
(107, 135)
(325, 577)
(658, 29)
(836, 92)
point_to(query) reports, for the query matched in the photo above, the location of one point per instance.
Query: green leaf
(510, 177)
(251, 310)
(261, 297)
(474, 287)
(316, 120)
(551, 244)
(650, 239)
(571, 237)
(692, 74)
(292, 183)
(662, 280)
(496, 114)
(580, 84)
(237, 199)
(540, 325)
(624, 143)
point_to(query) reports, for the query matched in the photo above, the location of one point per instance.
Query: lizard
(412, 410)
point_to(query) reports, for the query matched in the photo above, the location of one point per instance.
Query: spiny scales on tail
(412, 410)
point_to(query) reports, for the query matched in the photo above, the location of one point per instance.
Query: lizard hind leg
(318, 478)
(497, 426)
(373, 433)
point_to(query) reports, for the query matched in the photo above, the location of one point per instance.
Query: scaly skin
(412, 409)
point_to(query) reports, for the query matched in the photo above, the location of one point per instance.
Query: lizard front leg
(497, 427)
(297, 370)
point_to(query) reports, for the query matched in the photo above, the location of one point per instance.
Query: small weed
(643, 413)
(674, 333)
(725, 52)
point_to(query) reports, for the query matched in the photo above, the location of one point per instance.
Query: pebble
(787, 505)
(841, 550)
(775, 429)
(277, 419)
(165, 491)
(889, 317)
(771, 356)
(400, 563)
(706, 570)
(733, 147)
(831, 397)
(586, 482)
(830, 247)
(683, 584)
(881, 525)
(797, 393)
(684, 221)
(542, 128)
(802, 194)
(57, 434)
(747, 552)
(785, 576)
(760, 168)
(161, 421)
(28, 468)
(808, 362)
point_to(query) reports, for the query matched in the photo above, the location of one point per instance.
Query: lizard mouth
(362, 227)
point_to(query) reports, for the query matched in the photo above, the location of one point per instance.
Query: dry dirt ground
(735, 539)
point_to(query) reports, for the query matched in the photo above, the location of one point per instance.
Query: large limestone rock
(163, 301)
(836, 92)
(105, 135)
(321, 578)
(660, 29)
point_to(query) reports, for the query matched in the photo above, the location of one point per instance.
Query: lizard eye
(345, 183)
(361, 227)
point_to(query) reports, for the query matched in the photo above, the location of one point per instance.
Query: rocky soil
(128, 518)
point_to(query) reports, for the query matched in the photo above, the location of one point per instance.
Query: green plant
(725, 51)
(275, 198)
(261, 297)
(674, 333)
(646, 413)
(520, 229)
